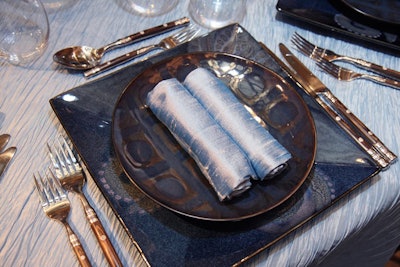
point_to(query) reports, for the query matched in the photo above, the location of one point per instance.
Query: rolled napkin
(220, 159)
(267, 156)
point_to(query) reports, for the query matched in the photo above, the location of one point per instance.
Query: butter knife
(5, 158)
(4, 138)
(365, 138)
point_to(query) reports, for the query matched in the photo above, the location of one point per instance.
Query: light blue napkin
(268, 157)
(220, 159)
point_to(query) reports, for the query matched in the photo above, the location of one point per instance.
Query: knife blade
(6, 157)
(337, 110)
(4, 138)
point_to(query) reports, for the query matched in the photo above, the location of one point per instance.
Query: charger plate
(337, 17)
(157, 164)
(384, 11)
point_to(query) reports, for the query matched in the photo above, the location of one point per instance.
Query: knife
(5, 158)
(337, 110)
(4, 138)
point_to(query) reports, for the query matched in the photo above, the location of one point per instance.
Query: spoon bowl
(79, 57)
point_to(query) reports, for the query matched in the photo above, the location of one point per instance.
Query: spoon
(85, 57)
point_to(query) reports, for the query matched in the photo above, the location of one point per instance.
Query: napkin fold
(218, 156)
(268, 157)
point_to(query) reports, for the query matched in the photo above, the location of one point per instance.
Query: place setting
(202, 137)
(155, 180)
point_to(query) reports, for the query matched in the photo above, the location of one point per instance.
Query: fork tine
(69, 155)
(306, 47)
(187, 34)
(41, 189)
(325, 66)
(302, 44)
(57, 163)
(63, 162)
(56, 187)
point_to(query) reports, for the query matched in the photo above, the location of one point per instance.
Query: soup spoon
(85, 57)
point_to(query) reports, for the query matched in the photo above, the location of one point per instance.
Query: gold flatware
(70, 174)
(56, 205)
(315, 52)
(344, 74)
(5, 155)
(4, 138)
(5, 158)
(337, 110)
(183, 36)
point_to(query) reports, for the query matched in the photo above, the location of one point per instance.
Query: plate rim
(367, 16)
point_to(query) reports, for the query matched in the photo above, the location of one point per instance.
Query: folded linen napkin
(268, 157)
(220, 159)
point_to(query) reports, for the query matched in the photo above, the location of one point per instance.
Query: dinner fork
(70, 174)
(56, 205)
(183, 36)
(345, 74)
(315, 52)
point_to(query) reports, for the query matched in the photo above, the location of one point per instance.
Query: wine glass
(217, 13)
(24, 30)
(149, 8)
(52, 6)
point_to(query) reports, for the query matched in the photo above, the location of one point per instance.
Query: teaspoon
(85, 57)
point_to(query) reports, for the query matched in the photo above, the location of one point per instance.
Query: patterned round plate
(161, 169)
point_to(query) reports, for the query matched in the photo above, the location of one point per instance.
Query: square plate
(166, 238)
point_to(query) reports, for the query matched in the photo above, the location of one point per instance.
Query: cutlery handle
(366, 139)
(357, 129)
(374, 67)
(345, 125)
(100, 233)
(119, 60)
(77, 247)
(148, 33)
(382, 80)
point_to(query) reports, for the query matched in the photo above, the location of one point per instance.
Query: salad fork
(345, 74)
(315, 52)
(70, 174)
(56, 205)
(183, 36)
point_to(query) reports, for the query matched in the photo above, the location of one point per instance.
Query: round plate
(384, 11)
(158, 166)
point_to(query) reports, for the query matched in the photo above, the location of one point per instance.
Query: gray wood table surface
(361, 230)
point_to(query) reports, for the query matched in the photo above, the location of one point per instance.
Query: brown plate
(161, 169)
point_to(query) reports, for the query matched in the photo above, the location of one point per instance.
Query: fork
(345, 74)
(70, 174)
(314, 52)
(56, 205)
(183, 36)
